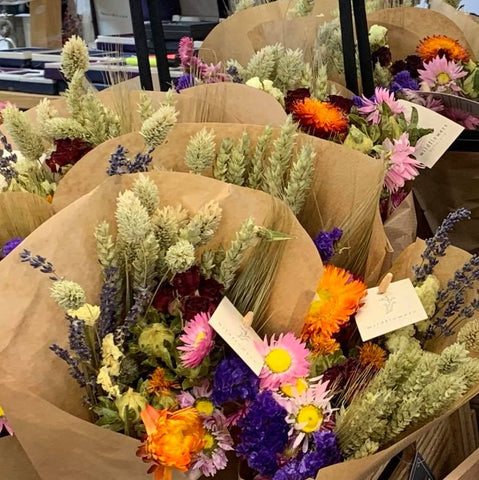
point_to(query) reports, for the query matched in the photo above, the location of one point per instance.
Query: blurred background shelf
(24, 100)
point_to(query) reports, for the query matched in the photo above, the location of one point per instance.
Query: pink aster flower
(4, 425)
(285, 360)
(402, 166)
(217, 442)
(372, 108)
(198, 340)
(198, 397)
(440, 75)
(429, 101)
(308, 412)
(468, 121)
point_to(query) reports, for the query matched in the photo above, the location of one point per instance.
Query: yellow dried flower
(372, 354)
(88, 313)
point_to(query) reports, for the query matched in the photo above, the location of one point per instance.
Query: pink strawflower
(429, 101)
(440, 75)
(285, 361)
(186, 52)
(217, 441)
(468, 121)
(402, 166)
(198, 340)
(4, 424)
(373, 107)
(308, 413)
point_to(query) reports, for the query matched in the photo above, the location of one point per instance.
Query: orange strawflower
(338, 297)
(321, 119)
(440, 45)
(49, 198)
(373, 355)
(159, 384)
(173, 438)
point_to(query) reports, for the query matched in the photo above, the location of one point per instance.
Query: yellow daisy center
(311, 416)
(278, 360)
(2, 413)
(199, 337)
(204, 406)
(443, 78)
(297, 389)
(209, 441)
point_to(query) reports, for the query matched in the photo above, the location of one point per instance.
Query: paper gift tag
(433, 146)
(227, 322)
(398, 307)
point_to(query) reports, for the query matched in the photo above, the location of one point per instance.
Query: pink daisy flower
(429, 101)
(198, 397)
(4, 425)
(440, 75)
(198, 340)
(372, 108)
(285, 360)
(402, 166)
(308, 412)
(217, 442)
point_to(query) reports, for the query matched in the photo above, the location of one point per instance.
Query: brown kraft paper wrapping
(345, 181)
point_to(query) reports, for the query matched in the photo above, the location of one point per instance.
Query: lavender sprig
(141, 300)
(437, 245)
(120, 164)
(74, 369)
(6, 161)
(108, 302)
(77, 339)
(39, 262)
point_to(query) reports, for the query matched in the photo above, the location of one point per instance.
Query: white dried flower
(87, 313)
(155, 129)
(203, 225)
(180, 256)
(74, 57)
(469, 335)
(132, 218)
(147, 192)
(68, 295)
(200, 151)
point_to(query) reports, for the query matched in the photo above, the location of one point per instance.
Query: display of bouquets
(35, 323)
(343, 174)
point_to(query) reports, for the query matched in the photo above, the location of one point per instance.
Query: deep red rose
(164, 296)
(67, 152)
(383, 56)
(293, 96)
(211, 289)
(345, 104)
(187, 283)
(192, 306)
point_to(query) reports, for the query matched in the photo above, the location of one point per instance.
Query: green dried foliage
(200, 151)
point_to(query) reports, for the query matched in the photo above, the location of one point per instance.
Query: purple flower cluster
(326, 453)
(109, 307)
(264, 434)
(11, 245)
(436, 246)
(185, 81)
(76, 338)
(120, 164)
(234, 381)
(74, 369)
(6, 161)
(403, 81)
(325, 241)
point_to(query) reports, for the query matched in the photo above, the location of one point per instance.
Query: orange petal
(150, 417)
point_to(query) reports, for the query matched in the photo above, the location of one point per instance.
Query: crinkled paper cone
(344, 180)
(52, 437)
(21, 213)
(467, 24)
(229, 39)
(401, 226)
(451, 184)
(364, 468)
(412, 25)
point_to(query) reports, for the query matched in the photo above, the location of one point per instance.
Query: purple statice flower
(74, 369)
(403, 81)
(109, 307)
(325, 242)
(120, 164)
(39, 262)
(326, 452)
(11, 245)
(436, 246)
(234, 381)
(7, 159)
(212, 458)
(264, 434)
(77, 339)
(185, 81)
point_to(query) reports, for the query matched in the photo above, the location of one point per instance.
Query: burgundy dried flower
(398, 66)
(293, 96)
(68, 151)
(192, 306)
(413, 64)
(163, 298)
(187, 283)
(211, 289)
(345, 104)
(383, 56)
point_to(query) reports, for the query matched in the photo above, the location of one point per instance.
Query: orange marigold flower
(372, 354)
(321, 119)
(159, 384)
(338, 297)
(440, 45)
(173, 439)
